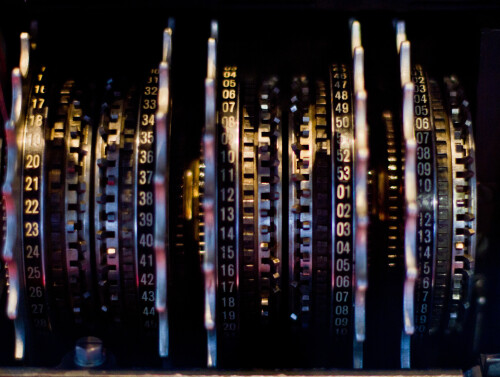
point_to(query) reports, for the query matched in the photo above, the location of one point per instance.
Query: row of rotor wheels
(257, 300)
(80, 213)
(285, 261)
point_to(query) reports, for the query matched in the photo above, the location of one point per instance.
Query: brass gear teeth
(394, 178)
(444, 193)
(309, 206)
(300, 250)
(68, 195)
(115, 246)
(464, 201)
(126, 208)
(268, 195)
(201, 215)
(249, 193)
(56, 185)
(107, 202)
(77, 210)
(321, 209)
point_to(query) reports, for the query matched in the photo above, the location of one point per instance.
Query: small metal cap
(89, 352)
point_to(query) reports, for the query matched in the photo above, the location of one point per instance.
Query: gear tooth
(114, 116)
(468, 217)
(109, 156)
(103, 132)
(469, 231)
(264, 148)
(301, 207)
(468, 174)
(101, 235)
(73, 129)
(464, 189)
(112, 147)
(70, 227)
(102, 163)
(71, 167)
(297, 147)
(101, 198)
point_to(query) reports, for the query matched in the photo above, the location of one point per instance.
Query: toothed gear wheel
(127, 212)
(394, 185)
(259, 268)
(321, 225)
(320, 162)
(310, 200)
(444, 195)
(116, 249)
(201, 216)
(56, 178)
(77, 221)
(302, 149)
(464, 202)
(68, 212)
(107, 245)
(250, 273)
(268, 195)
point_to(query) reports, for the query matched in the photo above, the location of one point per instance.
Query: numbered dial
(447, 196)
(144, 202)
(248, 216)
(33, 168)
(343, 205)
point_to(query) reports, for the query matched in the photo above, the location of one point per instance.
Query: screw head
(89, 352)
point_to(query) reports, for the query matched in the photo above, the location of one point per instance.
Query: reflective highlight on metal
(405, 62)
(161, 182)
(400, 33)
(24, 61)
(355, 35)
(361, 220)
(410, 180)
(209, 202)
(359, 69)
(464, 186)
(12, 198)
